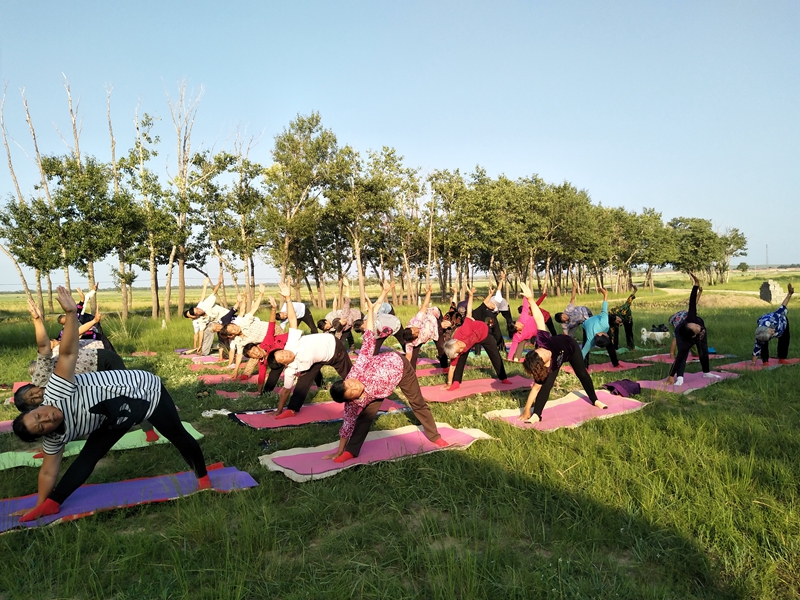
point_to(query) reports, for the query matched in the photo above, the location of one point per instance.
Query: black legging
(379, 343)
(578, 367)
(783, 345)
(700, 340)
(308, 320)
(111, 361)
(165, 418)
(275, 374)
(490, 346)
(613, 332)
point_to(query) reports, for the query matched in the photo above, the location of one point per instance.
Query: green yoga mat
(620, 351)
(132, 439)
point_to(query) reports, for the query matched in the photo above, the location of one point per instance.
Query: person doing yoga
(691, 332)
(544, 363)
(373, 378)
(595, 331)
(102, 406)
(472, 332)
(773, 325)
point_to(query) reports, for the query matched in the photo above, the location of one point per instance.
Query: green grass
(693, 497)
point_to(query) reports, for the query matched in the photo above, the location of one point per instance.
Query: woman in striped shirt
(102, 406)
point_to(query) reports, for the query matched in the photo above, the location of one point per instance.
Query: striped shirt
(76, 399)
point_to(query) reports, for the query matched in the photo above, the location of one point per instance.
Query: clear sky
(692, 108)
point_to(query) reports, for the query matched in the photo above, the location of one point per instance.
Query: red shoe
(204, 483)
(343, 457)
(48, 507)
(151, 436)
(507, 382)
(442, 443)
(454, 386)
(286, 414)
(783, 361)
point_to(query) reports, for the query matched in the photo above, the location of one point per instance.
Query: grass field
(693, 497)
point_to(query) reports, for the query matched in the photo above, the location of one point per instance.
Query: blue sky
(692, 108)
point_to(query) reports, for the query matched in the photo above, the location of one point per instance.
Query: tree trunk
(90, 271)
(39, 296)
(181, 280)
(154, 307)
(49, 293)
(123, 287)
(168, 286)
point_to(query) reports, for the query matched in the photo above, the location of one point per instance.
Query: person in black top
(487, 312)
(691, 332)
(544, 363)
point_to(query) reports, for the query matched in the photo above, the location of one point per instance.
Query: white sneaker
(711, 376)
(679, 381)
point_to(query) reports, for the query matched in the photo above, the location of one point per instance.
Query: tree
(733, 244)
(743, 267)
(697, 247)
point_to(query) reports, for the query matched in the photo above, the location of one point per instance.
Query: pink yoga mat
(691, 382)
(18, 384)
(747, 365)
(665, 358)
(197, 366)
(146, 353)
(305, 464)
(235, 395)
(211, 358)
(606, 367)
(5, 426)
(318, 412)
(92, 498)
(219, 379)
(435, 393)
(570, 411)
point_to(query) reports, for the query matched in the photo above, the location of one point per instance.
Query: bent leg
(166, 420)
(494, 355)
(409, 385)
(363, 424)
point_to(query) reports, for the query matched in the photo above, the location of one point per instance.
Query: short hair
(62, 318)
(557, 317)
(223, 331)
(451, 348)
(272, 362)
(19, 398)
(408, 335)
(337, 324)
(602, 341)
(321, 324)
(337, 391)
(18, 427)
(189, 312)
(535, 367)
(519, 309)
(247, 348)
(763, 334)
(358, 325)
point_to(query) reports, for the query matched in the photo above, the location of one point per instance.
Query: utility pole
(767, 256)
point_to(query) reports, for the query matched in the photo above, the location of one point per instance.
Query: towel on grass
(132, 439)
(317, 412)
(92, 498)
(747, 365)
(572, 410)
(691, 382)
(606, 367)
(435, 393)
(305, 464)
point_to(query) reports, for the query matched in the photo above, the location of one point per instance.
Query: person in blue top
(773, 325)
(595, 330)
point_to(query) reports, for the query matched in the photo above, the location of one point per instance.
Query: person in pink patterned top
(425, 327)
(372, 379)
(524, 329)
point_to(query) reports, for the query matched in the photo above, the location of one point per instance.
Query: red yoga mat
(219, 379)
(606, 367)
(747, 365)
(305, 464)
(435, 393)
(235, 395)
(318, 412)
(691, 382)
(572, 410)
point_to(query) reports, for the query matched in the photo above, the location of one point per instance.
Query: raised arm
(42, 339)
(427, 301)
(68, 351)
(257, 303)
(218, 285)
(286, 293)
(536, 312)
(788, 296)
(206, 281)
(87, 326)
(574, 292)
(470, 294)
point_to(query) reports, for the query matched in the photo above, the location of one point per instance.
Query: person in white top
(303, 357)
(247, 329)
(501, 305)
(303, 316)
(384, 324)
(211, 312)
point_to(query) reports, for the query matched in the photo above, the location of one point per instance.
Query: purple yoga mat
(318, 412)
(435, 393)
(747, 365)
(691, 381)
(89, 499)
(606, 367)
(304, 464)
(570, 411)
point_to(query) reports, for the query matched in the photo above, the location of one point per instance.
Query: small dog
(659, 337)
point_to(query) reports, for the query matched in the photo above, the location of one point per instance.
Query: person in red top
(472, 332)
(373, 378)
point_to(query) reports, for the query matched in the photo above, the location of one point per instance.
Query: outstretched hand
(284, 290)
(66, 300)
(261, 288)
(272, 302)
(526, 291)
(791, 288)
(386, 286)
(33, 308)
(472, 291)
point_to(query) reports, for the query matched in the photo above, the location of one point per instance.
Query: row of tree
(322, 210)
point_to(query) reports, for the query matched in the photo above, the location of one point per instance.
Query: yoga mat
(665, 358)
(5, 426)
(219, 379)
(92, 498)
(606, 367)
(204, 366)
(691, 382)
(317, 412)
(619, 351)
(132, 439)
(146, 353)
(424, 360)
(235, 395)
(572, 410)
(18, 384)
(305, 464)
(747, 365)
(435, 393)
(196, 358)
